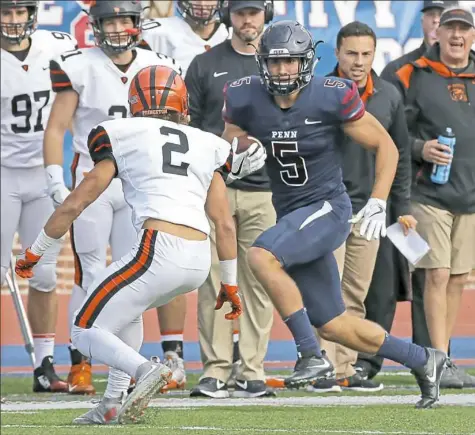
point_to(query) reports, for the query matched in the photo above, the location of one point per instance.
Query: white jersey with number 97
(27, 98)
(165, 168)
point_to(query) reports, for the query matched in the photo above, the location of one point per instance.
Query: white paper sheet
(412, 246)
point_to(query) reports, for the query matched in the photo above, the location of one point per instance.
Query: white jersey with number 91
(101, 86)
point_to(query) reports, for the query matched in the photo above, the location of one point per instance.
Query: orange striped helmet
(157, 90)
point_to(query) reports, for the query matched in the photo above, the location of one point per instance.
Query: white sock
(107, 348)
(44, 346)
(118, 381)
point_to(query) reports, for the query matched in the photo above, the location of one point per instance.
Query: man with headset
(251, 206)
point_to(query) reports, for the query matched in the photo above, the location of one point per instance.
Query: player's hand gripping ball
(248, 156)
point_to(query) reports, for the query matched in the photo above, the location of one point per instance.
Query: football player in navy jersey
(301, 120)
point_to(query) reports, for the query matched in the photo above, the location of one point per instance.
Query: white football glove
(57, 190)
(373, 217)
(244, 164)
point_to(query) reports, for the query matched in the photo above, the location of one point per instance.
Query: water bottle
(440, 174)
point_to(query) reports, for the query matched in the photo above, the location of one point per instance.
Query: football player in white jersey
(27, 98)
(169, 176)
(91, 87)
(183, 38)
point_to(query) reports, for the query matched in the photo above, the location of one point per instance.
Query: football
(244, 142)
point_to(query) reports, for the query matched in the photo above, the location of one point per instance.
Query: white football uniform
(175, 38)
(166, 170)
(103, 94)
(27, 97)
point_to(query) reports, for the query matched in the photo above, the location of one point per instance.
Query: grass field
(390, 411)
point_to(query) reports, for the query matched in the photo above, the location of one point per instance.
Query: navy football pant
(303, 241)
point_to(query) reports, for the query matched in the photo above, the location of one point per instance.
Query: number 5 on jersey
(294, 172)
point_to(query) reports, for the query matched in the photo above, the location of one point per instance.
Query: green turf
(15, 387)
(259, 420)
(256, 419)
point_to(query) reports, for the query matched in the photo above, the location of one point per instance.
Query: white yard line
(197, 429)
(449, 399)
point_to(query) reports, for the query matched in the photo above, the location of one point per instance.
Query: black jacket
(384, 102)
(205, 80)
(436, 98)
(389, 71)
(391, 272)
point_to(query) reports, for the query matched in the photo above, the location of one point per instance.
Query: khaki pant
(356, 259)
(451, 238)
(253, 213)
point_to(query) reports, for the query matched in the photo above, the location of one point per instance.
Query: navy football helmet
(15, 33)
(286, 39)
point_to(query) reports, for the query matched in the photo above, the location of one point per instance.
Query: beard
(249, 34)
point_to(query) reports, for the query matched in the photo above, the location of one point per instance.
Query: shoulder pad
(65, 68)
(237, 98)
(343, 99)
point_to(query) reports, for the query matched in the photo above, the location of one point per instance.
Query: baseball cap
(457, 15)
(437, 4)
(236, 5)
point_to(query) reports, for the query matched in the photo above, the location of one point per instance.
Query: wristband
(42, 243)
(229, 271)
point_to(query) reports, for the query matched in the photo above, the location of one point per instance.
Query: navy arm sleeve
(343, 101)
(351, 107)
(100, 147)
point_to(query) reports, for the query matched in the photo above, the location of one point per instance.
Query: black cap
(457, 15)
(438, 4)
(236, 5)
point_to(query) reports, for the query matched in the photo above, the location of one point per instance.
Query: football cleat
(428, 377)
(308, 369)
(104, 413)
(45, 379)
(80, 379)
(177, 367)
(151, 378)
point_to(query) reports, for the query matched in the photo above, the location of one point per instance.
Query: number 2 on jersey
(169, 147)
(23, 107)
(294, 171)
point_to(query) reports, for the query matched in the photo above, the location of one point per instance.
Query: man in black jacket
(431, 12)
(383, 295)
(439, 90)
(356, 45)
(251, 206)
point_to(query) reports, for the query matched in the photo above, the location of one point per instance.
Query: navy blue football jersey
(303, 142)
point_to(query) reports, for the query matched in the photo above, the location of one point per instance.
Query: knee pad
(44, 279)
(3, 275)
